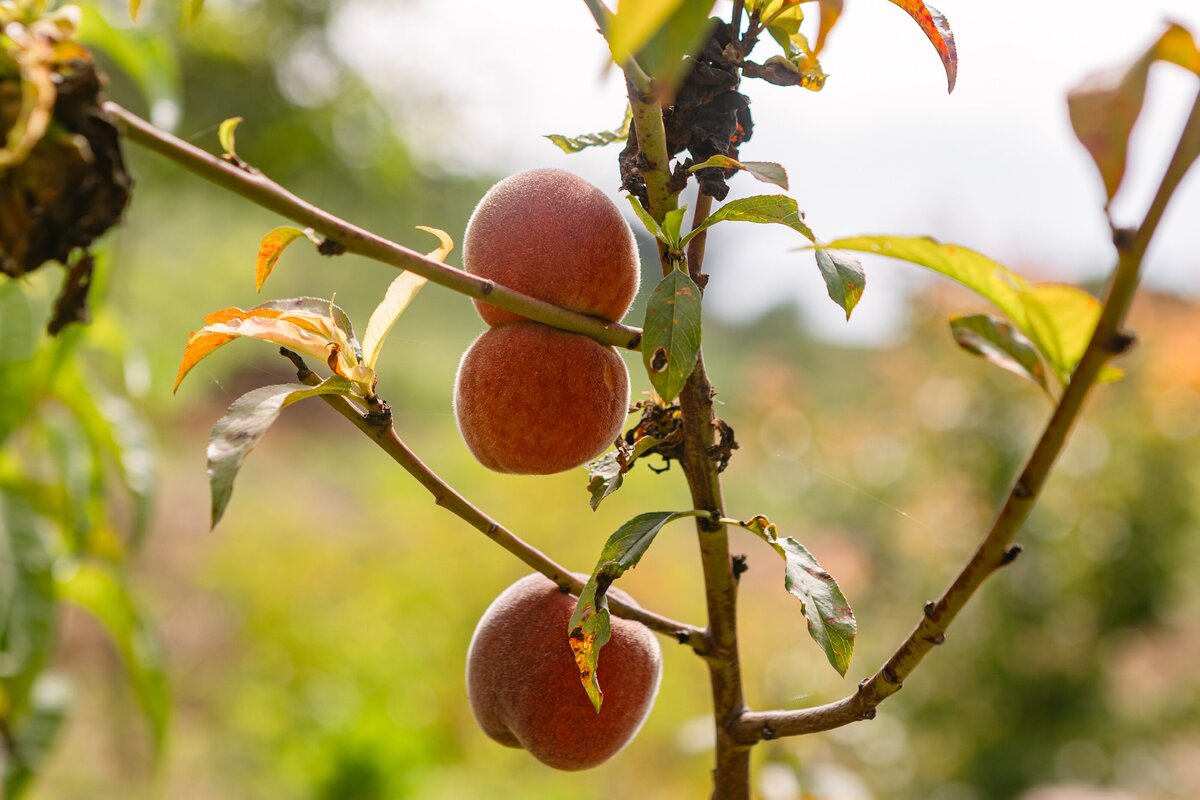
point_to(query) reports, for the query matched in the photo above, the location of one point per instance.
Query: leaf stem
(997, 550)
(263, 191)
(377, 424)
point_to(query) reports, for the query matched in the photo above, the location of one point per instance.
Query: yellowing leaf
(1105, 107)
(831, 11)
(227, 137)
(134, 7)
(33, 56)
(937, 29)
(270, 249)
(399, 294)
(634, 22)
(1062, 319)
(765, 171)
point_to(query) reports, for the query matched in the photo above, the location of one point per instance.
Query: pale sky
(883, 149)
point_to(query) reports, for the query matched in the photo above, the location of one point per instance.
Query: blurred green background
(315, 640)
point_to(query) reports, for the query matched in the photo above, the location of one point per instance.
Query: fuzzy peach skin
(524, 686)
(552, 235)
(533, 400)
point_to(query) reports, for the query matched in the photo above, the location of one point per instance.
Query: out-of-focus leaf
(16, 354)
(844, 277)
(28, 621)
(589, 628)
(33, 56)
(244, 425)
(271, 248)
(399, 294)
(151, 61)
(573, 144)
(997, 341)
(37, 731)
(671, 334)
(1062, 319)
(101, 591)
(977, 272)
(765, 171)
(831, 12)
(935, 26)
(831, 622)
(135, 6)
(607, 473)
(762, 209)
(1106, 105)
(663, 56)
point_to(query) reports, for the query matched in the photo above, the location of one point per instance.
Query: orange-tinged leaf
(199, 344)
(1105, 107)
(270, 249)
(397, 298)
(134, 7)
(831, 11)
(934, 23)
(765, 171)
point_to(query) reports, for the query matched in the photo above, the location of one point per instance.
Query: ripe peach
(552, 235)
(524, 686)
(532, 400)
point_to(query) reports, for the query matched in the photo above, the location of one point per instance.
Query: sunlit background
(316, 638)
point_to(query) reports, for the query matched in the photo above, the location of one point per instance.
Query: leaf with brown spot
(831, 621)
(845, 278)
(589, 628)
(671, 334)
(998, 342)
(937, 29)
(1106, 105)
(607, 473)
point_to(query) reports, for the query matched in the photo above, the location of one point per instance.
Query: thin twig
(695, 251)
(263, 191)
(996, 550)
(378, 427)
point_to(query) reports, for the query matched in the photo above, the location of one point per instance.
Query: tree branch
(263, 191)
(377, 424)
(996, 550)
(731, 777)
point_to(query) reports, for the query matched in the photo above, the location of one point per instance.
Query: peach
(533, 400)
(552, 235)
(524, 686)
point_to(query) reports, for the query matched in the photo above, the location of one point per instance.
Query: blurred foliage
(315, 640)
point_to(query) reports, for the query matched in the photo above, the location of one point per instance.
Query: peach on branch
(533, 400)
(552, 235)
(524, 686)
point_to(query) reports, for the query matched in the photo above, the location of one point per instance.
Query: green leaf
(101, 591)
(1062, 319)
(589, 628)
(27, 610)
(647, 221)
(762, 209)
(844, 277)
(765, 171)
(246, 422)
(671, 335)
(271, 248)
(937, 30)
(672, 225)
(227, 137)
(977, 272)
(573, 144)
(998, 342)
(1105, 107)
(831, 622)
(37, 731)
(607, 473)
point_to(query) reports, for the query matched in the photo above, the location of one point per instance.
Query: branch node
(869, 714)
(768, 732)
(939, 639)
(1010, 555)
(1120, 342)
(1021, 490)
(930, 607)
(739, 566)
(1123, 238)
(331, 247)
(486, 287)
(890, 676)
(683, 636)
